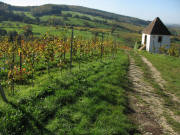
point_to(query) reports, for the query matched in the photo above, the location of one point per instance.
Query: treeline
(3, 32)
(46, 10)
(7, 14)
(107, 15)
(27, 32)
(51, 9)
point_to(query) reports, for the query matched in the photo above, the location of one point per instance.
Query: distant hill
(7, 13)
(174, 28)
(174, 25)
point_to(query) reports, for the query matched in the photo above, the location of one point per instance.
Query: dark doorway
(145, 39)
(159, 39)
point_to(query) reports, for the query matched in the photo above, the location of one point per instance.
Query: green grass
(47, 17)
(40, 30)
(76, 21)
(87, 101)
(124, 36)
(80, 14)
(174, 123)
(28, 14)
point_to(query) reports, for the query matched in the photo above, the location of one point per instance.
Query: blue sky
(167, 10)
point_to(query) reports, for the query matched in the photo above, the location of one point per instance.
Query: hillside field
(71, 70)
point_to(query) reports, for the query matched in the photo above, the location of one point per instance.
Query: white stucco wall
(152, 44)
(143, 38)
(147, 41)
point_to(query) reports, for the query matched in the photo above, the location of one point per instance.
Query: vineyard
(63, 85)
(21, 58)
(72, 70)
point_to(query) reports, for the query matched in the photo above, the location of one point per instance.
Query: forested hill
(8, 12)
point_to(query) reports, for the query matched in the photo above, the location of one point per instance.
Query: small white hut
(155, 36)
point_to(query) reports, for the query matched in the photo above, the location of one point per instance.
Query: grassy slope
(80, 14)
(87, 101)
(40, 30)
(126, 37)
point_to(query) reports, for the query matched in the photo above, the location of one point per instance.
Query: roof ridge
(153, 24)
(156, 27)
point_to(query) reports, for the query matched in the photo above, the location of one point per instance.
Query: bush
(67, 15)
(13, 122)
(3, 32)
(173, 51)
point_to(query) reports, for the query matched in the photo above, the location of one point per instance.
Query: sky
(167, 10)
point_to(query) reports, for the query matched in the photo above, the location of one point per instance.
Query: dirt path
(156, 75)
(147, 106)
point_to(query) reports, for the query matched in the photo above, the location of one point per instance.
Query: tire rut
(147, 105)
(156, 75)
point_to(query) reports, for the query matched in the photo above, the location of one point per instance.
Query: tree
(46, 10)
(114, 27)
(87, 24)
(28, 31)
(3, 32)
(56, 21)
(37, 20)
(12, 35)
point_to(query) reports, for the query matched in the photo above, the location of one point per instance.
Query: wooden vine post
(11, 40)
(20, 53)
(64, 48)
(3, 94)
(32, 64)
(102, 45)
(80, 55)
(114, 48)
(71, 50)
